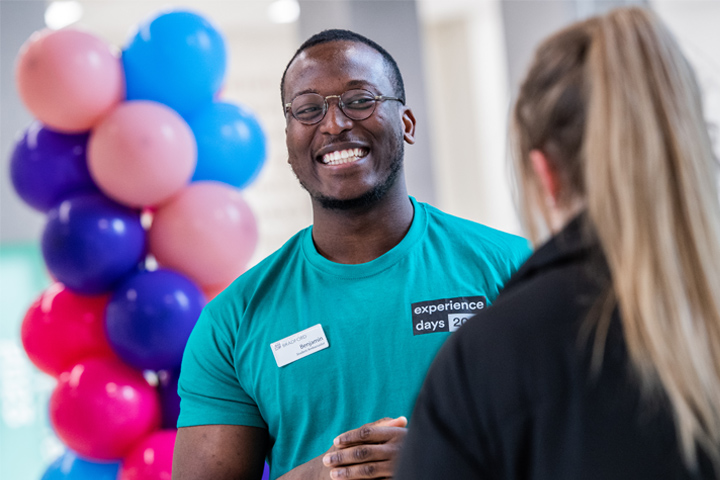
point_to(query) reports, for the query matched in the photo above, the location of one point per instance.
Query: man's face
(373, 147)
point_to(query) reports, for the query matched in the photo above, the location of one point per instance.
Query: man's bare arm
(219, 452)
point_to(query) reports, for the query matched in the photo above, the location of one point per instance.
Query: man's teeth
(344, 156)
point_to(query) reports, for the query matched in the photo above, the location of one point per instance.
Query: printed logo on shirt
(444, 315)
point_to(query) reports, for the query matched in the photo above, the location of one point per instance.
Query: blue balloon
(90, 243)
(169, 398)
(71, 467)
(231, 144)
(266, 472)
(176, 58)
(150, 316)
(46, 167)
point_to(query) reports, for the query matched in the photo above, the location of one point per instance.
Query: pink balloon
(151, 459)
(102, 408)
(142, 153)
(69, 79)
(207, 232)
(214, 290)
(61, 328)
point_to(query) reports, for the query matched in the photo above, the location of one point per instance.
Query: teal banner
(27, 443)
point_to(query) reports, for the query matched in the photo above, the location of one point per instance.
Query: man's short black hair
(337, 34)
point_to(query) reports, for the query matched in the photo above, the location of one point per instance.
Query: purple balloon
(150, 316)
(169, 398)
(46, 166)
(90, 243)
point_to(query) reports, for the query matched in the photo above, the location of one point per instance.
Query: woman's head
(611, 87)
(611, 114)
(549, 116)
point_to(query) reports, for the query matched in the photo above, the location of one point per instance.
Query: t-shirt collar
(389, 258)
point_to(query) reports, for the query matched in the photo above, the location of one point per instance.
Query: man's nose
(335, 121)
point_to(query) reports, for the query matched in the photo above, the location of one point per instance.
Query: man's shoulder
(481, 238)
(438, 217)
(267, 269)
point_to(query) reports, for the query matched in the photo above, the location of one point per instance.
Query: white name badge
(299, 345)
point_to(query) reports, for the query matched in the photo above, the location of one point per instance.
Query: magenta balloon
(61, 328)
(102, 408)
(151, 459)
(69, 79)
(207, 232)
(142, 153)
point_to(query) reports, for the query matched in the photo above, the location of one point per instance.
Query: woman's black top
(514, 394)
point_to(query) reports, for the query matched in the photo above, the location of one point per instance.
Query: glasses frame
(376, 98)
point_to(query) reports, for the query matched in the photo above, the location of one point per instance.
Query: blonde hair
(615, 107)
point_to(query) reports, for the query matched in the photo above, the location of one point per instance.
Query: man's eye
(309, 109)
(360, 103)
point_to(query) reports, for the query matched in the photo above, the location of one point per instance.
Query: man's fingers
(379, 431)
(363, 470)
(369, 434)
(368, 451)
(357, 454)
(391, 422)
(382, 421)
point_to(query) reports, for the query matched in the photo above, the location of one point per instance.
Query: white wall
(469, 95)
(696, 25)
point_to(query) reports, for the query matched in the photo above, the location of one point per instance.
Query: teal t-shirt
(382, 324)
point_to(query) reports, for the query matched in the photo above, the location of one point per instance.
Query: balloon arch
(137, 164)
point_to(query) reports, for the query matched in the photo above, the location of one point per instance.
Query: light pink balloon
(207, 232)
(213, 291)
(142, 153)
(69, 79)
(150, 459)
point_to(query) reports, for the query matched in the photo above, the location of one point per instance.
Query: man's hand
(367, 452)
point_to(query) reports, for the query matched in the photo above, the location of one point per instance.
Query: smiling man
(313, 358)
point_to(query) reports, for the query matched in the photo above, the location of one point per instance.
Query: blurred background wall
(462, 61)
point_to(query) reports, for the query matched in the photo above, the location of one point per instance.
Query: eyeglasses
(357, 104)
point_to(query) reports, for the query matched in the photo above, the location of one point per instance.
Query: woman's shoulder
(525, 343)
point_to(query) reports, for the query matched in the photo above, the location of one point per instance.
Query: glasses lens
(308, 107)
(358, 104)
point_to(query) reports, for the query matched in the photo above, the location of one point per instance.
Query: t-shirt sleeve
(444, 438)
(209, 389)
(521, 249)
(502, 259)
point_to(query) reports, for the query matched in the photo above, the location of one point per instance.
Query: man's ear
(408, 120)
(547, 176)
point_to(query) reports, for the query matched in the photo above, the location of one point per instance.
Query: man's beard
(369, 198)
